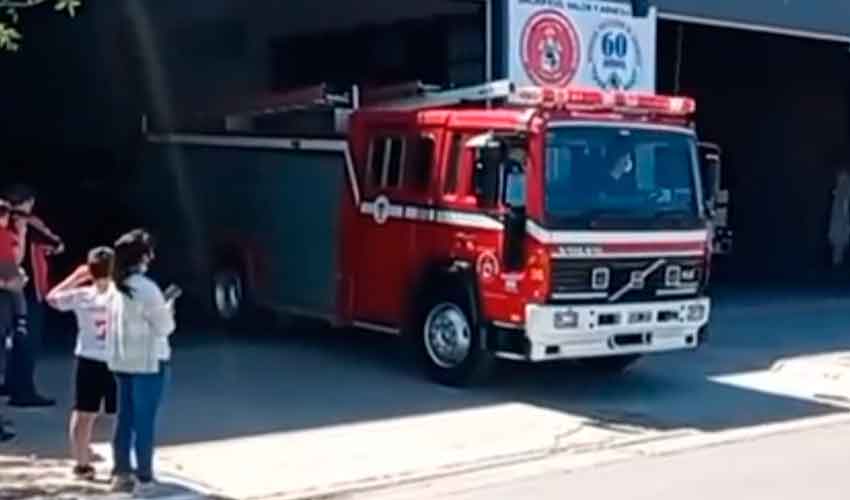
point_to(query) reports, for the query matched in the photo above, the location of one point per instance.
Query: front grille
(572, 278)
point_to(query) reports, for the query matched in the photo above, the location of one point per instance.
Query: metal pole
(488, 44)
(680, 40)
(488, 40)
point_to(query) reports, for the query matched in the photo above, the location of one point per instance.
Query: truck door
(384, 235)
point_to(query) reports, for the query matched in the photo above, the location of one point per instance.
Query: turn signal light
(565, 320)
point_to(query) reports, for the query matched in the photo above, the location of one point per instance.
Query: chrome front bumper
(572, 332)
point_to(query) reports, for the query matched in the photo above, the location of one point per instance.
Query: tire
(449, 342)
(611, 365)
(229, 298)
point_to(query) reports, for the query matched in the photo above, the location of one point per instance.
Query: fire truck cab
(526, 223)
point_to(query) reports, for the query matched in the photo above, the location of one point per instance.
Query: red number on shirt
(101, 324)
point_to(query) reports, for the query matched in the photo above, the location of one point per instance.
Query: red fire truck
(497, 221)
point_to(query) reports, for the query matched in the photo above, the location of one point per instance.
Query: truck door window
(386, 156)
(392, 172)
(417, 175)
(453, 168)
(377, 157)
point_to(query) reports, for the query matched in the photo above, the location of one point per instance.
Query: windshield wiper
(604, 216)
(673, 213)
(678, 216)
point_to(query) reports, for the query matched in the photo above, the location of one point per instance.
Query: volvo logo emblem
(637, 280)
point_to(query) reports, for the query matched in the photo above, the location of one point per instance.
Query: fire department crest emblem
(381, 210)
(550, 49)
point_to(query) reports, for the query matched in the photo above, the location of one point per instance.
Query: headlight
(696, 312)
(565, 319)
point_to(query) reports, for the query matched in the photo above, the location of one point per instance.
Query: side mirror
(710, 166)
(513, 239)
(515, 190)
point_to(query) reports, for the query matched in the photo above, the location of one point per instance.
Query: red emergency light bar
(577, 99)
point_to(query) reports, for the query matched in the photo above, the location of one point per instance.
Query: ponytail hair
(132, 250)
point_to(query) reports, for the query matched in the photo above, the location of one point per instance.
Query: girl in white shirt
(91, 294)
(139, 355)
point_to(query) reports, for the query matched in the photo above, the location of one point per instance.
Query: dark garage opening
(779, 107)
(445, 50)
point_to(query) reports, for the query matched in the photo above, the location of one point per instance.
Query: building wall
(820, 16)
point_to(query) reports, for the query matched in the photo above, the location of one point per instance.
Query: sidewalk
(321, 462)
(24, 477)
(34, 478)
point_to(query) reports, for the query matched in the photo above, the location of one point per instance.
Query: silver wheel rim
(227, 292)
(448, 336)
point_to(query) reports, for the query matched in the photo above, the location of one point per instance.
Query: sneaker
(122, 484)
(146, 489)
(84, 472)
(34, 401)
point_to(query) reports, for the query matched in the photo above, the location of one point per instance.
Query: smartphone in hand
(172, 293)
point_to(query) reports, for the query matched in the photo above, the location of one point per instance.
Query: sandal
(84, 472)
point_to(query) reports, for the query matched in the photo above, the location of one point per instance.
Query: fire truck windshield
(620, 178)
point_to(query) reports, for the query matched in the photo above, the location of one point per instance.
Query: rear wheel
(611, 365)
(228, 293)
(231, 303)
(450, 343)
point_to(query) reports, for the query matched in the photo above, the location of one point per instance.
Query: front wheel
(450, 344)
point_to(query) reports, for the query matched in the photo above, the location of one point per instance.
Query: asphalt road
(803, 465)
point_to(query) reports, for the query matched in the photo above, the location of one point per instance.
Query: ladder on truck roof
(239, 115)
(407, 95)
(277, 113)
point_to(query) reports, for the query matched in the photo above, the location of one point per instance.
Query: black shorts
(94, 385)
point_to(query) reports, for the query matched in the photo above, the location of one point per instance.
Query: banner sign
(581, 43)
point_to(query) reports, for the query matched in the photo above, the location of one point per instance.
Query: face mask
(141, 268)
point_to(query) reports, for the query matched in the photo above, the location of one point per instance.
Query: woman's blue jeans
(139, 398)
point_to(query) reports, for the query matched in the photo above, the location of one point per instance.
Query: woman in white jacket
(139, 355)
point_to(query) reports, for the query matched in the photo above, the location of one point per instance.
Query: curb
(532, 462)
